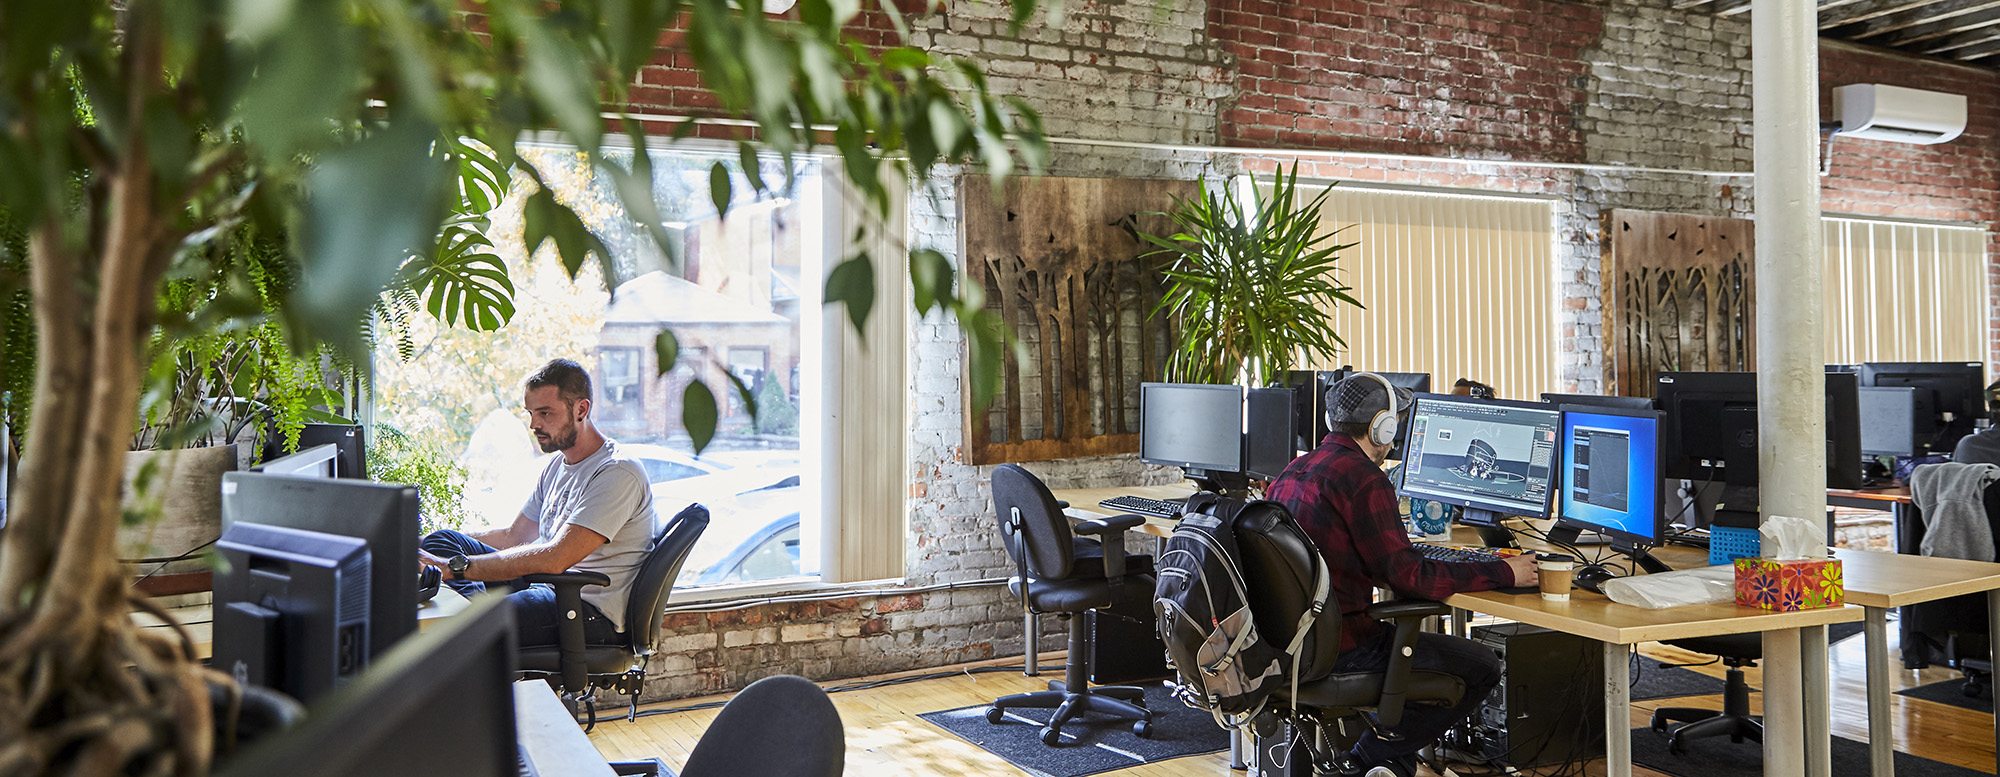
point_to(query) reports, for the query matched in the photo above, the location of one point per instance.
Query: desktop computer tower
(1548, 708)
(1124, 645)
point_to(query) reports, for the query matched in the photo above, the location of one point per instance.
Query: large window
(1456, 286)
(1904, 292)
(742, 301)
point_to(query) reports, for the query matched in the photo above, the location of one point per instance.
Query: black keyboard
(1443, 553)
(1158, 508)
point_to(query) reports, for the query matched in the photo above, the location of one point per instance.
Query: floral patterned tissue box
(1790, 584)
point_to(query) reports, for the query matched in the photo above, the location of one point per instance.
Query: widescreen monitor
(1192, 426)
(1309, 403)
(441, 703)
(291, 608)
(1710, 427)
(319, 461)
(1956, 391)
(1610, 481)
(384, 515)
(349, 463)
(1488, 456)
(1269, 441)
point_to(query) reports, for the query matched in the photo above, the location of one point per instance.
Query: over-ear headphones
(1382, 428)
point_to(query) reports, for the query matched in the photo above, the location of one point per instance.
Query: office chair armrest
(1062, 505)
(1407, 608)
(569, 632)
(569, 579)
(1408, 615)
(1112, 524)
(1111, 532)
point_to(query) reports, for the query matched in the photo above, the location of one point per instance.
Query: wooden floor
(886, 739)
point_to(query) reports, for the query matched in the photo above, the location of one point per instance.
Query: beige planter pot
(181, 506)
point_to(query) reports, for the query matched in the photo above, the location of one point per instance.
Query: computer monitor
(315, 462)
(1593, 400)
(1269, 441)
(1957, 393)
(1610, 477)
(1419, 382)
(1197, 427)
(1491, 457)
(384, 515)
(350, 463)
(440, 703)
(1309, 403)
(291, 608)
(1710, 427)
(1889, 419)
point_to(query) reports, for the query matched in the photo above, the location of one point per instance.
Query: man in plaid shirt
(1348, 507)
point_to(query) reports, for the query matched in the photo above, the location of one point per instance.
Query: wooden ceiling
(1960, 30)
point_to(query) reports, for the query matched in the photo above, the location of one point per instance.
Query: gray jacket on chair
(1952, 497)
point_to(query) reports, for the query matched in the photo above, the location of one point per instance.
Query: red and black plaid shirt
(1348, 507)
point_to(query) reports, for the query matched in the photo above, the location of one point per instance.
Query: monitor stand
(1640, 557)
(1573, 535)
(1491, 531)
(1230, 484)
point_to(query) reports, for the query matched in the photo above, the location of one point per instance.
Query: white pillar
(1791, 457)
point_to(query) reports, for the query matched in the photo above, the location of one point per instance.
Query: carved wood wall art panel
(1059, 258)
(1679, 295)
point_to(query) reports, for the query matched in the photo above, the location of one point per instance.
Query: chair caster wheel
(1051, 737)
(994, 714)
(1970, 689)
(1142, 729)
(1676, 747)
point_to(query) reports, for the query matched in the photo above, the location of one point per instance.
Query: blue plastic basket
(1726, 544)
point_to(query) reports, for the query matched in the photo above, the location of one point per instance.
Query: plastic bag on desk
(1707, 585)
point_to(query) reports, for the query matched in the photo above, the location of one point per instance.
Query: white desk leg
(1993, 616)
(1784, 705)
(1814, 694)
(1881, 742)
(1617, 711)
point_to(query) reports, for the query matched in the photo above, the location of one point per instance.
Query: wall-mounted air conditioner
(1898, 114)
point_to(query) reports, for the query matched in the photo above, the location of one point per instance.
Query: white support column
(1784, 47)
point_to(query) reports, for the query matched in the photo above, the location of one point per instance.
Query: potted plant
(1251, 291)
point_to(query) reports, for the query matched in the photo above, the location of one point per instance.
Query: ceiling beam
(1863, 10)
(1952, 43)
(1986, 16)
(1923, 19)
(1981, 53)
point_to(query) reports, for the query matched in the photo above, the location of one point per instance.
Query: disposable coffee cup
(1556, 572)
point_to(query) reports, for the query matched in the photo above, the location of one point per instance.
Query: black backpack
(1226, 665)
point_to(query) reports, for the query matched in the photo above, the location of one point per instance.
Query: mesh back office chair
(1953, 631)
(1736, 651)
(1331, 711)
(1058, 572)
(576, 668)
(780, 726)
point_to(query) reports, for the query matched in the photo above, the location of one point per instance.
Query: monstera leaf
(464, 283)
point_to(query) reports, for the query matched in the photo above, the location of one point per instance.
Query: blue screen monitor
(1610, 474)
(1488, 456)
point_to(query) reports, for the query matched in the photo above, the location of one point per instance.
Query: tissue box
(1789, 584)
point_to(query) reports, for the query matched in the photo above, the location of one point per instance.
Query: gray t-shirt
(1980, 448)
(607, 494)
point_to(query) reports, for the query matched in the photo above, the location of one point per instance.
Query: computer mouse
(1591, 577)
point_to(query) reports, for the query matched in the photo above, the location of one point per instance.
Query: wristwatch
(458, 566)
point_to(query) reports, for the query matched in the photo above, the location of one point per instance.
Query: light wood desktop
(556, 746)
(199, 622)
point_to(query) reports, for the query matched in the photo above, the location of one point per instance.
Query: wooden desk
(1083, 504)
(199, 620)
(1878, 581)
(556, 746)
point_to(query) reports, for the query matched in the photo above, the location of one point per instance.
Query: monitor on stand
(349, 463)
(1610, 481)
(1268, 437)
(384, 515)
(1491, 457)
(291, 608)
(1196, 427)
(1843, 431)
(1309, 403)
(1710, 435)
(1956, 390)
(319, 461)
(1889, 422)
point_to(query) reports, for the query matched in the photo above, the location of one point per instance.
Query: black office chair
(1953, 632)
(577, 668)
(1058, 572)
(1334, 710)
(781, 726)
(1736, 651)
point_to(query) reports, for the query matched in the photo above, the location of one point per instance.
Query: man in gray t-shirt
(591, 512)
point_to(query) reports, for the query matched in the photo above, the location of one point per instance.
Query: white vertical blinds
(1457, 286)
(1904, 292)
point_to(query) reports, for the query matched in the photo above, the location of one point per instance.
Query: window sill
(770, 589)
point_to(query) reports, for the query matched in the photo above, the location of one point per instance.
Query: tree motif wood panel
(1059, 258)
(1679, 295)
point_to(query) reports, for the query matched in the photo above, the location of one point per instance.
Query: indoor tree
(137, 136)
(1251, 292)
